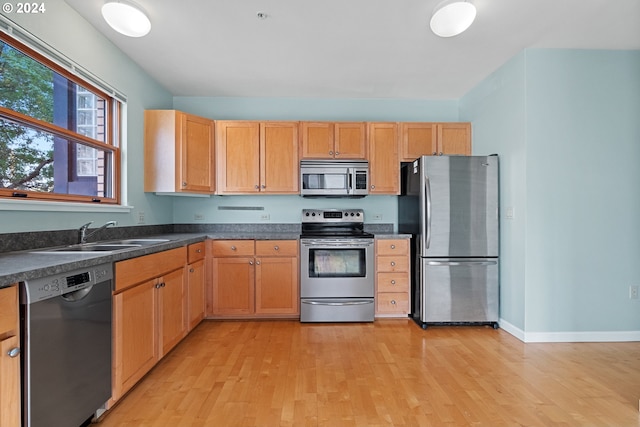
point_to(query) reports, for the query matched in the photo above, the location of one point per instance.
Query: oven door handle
(338, 245)
(337, 303)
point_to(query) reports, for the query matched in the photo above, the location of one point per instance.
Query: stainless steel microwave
(334, 178)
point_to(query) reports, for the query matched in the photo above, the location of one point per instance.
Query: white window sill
(47, 206)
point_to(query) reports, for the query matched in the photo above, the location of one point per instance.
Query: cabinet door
(172, 318)
(10, 384)
(277, 285)
(135, 349)
(418, 139)
(197, 154)
(195, 292)
(317, 140)
(233, 288)
(454, 138)
(279, 164)
(238, 162)
(350, 141)
(384, 164)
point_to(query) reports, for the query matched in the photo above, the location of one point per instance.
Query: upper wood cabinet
(178, 153)
(434, 139)
(255, 157)
(327, 140)
(384, 163)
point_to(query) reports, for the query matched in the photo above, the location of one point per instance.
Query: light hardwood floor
(387, 373)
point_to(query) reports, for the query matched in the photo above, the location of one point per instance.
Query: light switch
(510, 212)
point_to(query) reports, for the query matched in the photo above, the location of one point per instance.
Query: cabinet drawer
(137, 270)
(223, 248)
(195, 252)
(393, 263)
(393, 282)
(276, 247)
(392, 302)
(392, 246)
(9, 311)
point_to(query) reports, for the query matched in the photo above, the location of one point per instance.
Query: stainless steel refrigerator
(449, 204)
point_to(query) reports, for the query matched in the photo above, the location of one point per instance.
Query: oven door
(336, 268)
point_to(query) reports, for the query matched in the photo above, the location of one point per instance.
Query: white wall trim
(575, 336)
(49, 206)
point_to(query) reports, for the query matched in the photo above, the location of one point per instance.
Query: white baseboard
(590, 336)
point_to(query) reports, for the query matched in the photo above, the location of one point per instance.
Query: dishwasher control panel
(52, 286)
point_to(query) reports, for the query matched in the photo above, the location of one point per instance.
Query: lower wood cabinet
(393, 267)
(9, 358)
(254, 279)
(149, 315)
(195, 284)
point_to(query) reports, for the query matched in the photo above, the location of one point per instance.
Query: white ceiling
(353, 48)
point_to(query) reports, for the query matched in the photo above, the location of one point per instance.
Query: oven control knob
(358, 214)
(313, 214)
(306, 214)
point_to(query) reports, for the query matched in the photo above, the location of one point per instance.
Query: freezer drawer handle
(445, 263)
(337, 303)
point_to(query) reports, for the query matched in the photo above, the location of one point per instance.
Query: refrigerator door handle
(447, 263)
(427, 226)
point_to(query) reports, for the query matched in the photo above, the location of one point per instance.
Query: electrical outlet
(633, 292)
(511, 212)
(265, 217)
(377, 217)
(198, 217)
(140, 217)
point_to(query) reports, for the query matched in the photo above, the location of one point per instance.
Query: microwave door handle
(349, 181)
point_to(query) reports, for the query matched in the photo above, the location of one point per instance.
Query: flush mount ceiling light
(126, 17)
(452, 17)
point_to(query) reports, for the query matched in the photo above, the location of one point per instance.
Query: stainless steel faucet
(82, 231)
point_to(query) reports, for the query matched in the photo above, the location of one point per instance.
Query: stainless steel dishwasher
(66, 342)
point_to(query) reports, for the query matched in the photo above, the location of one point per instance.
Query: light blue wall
(287, 209)
(67, 32)
(570, 170)
(497, 110)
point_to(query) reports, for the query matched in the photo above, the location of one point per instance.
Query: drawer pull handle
(393, 282)
(233, 248)
(14, 352)
(393, 263)
(393, 246)
(393, 302)
(277, 248)
(198, 251)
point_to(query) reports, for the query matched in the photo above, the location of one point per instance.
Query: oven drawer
(224, 248)
(277, 248)
(337, 310)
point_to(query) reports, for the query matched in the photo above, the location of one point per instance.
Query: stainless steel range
(336, 267)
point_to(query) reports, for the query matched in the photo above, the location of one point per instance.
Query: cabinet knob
(14, 352)
(337, 153)
(264, 186)
(251, 262)
(440, 154)
(331, 152)
(393, 282)
(257, 262)
(276, 248)
(393, 263)
(257, 187)
(233, 248)
(393, 246)
(191, 270)
(198, 251)
(393, 302)
(373, 187)
(434, 153)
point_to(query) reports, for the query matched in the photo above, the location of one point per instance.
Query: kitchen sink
(104, 248)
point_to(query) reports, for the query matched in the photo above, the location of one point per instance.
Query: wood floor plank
(386, 373)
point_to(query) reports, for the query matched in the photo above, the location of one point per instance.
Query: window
(58, 132)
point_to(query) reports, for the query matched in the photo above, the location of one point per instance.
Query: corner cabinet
(149, 316)
(178, 153)
(253, 279)
(393, 269)
(434, 139)
(384, 163)
(327, 140)
(257, 157)
(9, 358)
